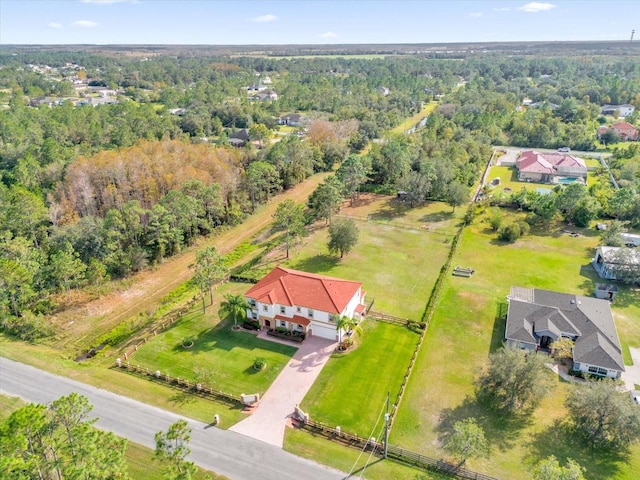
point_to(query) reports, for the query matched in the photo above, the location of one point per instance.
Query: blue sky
(312, 22)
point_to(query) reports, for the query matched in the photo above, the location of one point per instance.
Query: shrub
(576, 373)
(259, 363)
(513, 231)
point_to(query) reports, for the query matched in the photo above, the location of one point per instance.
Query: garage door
(324, 331)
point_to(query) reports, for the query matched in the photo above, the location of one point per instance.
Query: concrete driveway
(631, 376)
(268, 421)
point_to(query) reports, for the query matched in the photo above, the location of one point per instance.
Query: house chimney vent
(572, 302)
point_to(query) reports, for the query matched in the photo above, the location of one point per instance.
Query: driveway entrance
(267, 423)
(631, 375)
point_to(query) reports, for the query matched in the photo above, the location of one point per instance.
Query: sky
(240, 22)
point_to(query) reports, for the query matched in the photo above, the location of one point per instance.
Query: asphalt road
(221, 451)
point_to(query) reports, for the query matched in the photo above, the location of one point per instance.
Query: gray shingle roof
(588, 318)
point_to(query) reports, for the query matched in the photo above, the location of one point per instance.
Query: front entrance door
(267, 323)
(545, 341)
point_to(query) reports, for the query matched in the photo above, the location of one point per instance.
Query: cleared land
(78, 326)
(397, 258)
(412, 121)
(468, 324)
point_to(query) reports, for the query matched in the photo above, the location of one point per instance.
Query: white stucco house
(304, 302)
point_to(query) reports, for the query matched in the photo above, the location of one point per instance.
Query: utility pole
(387, 418)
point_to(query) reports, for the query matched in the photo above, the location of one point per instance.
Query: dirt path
(149, 287)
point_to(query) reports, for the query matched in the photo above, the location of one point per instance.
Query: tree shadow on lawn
(560, 440)
(182, 398)
(502, 430)
(223, 337)
(317, 264)
(627, 296)
(499, 325)
(437, 217)
(392, 208)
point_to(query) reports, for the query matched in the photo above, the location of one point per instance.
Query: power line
(367, 442)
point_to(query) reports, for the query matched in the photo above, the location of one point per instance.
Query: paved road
(224, 452)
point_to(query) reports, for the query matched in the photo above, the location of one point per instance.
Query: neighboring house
(304, 302)
(552, 106)
(625, 130)
(536, 318)
(257, 88)
(624, 110)
(292, 119)
(49, 101)
(553, 167)
(608, 261)
(264, 96)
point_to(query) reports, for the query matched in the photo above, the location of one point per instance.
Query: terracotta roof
(536, 162)
(623, 125)
(284, 286)
(295, 319)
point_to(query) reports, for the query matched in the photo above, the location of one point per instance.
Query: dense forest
(89, 193)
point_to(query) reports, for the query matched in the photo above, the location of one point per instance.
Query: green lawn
(226, 354)
(347, 459)
(352, 388)
(411, 121)
(466, 328)
(411, 257)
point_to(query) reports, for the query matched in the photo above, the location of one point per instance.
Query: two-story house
(304, 302)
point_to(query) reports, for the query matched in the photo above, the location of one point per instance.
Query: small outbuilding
(606, 290)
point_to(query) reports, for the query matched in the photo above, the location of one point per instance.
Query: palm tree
(233, 305)
(344, 323)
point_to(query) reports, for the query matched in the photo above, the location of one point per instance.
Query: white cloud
(475, 14)
(84, 24)
(265, 18)
(55, 25)
(536, 7)
(328, 35)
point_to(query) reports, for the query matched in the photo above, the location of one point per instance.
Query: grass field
(466, 327)
(409, 122)
(352, 388)
(225, 354)
(396, 240)
(348, 459)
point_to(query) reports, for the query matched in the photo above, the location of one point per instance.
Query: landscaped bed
(468, 325)
(219, 357)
